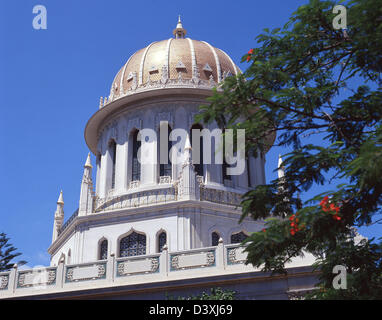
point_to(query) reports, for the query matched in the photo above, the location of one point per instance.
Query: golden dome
(176, 62)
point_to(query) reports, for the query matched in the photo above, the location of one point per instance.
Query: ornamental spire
(60, 199)
(58, 217)
(88, 163)
(179, 32)
(280, 171)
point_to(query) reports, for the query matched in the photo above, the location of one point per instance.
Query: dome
(176, 62)
(176, 67)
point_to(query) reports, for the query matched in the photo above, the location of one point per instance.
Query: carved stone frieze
(220, 196)
(4, 279)
(34, 278)
(137, 266)
(192, 260)
(236, 255)
(86, 272)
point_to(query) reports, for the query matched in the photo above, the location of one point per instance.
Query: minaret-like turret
(86, 196)
(280, 171)
(58, 217)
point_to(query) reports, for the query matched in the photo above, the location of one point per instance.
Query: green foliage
(215, 294)
(7, 254)
(305, 80)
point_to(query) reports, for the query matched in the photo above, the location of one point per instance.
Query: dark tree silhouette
(7, 254)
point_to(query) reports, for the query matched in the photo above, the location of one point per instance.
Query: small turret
(58, 217)
(281, 169)
(86, 196)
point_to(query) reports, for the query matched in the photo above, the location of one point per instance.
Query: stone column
(163, 261)
(121, 168)
(103, 176)
(148, 157)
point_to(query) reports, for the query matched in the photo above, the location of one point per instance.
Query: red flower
(250, 52)
(292, 232)
(325, 209)
(336, 217)
(263, 230)
(324, 201)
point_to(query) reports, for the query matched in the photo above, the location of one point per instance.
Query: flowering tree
(309, 79)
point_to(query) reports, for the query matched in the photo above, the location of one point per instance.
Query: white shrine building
(147, 230)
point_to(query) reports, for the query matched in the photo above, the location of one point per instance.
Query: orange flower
(250, 52)
(324, 201)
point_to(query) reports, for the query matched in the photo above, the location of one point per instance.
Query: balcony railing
(218, 260)
(68, 222)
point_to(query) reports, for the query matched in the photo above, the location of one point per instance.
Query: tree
(308, 79)
(215, 294)
(7, 254)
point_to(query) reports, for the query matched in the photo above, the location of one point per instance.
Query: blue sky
(51, 81)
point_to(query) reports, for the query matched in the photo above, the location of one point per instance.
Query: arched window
(162, 240)
(249, 172)
(215, 238)
(135, 164)
(132, 245)
(165, 169)
(113, 156)
(103, 250)
(198, 166)
(238, 237)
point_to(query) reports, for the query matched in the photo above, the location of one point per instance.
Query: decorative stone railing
(156, 196)
(138, 265)
(134, 184)
(136, 199)
(200, 258)
(162, 195)
(68, 222)
(164, 266)
(102, 273)
(37, 277)
(235, 255)
(220, 196)
(163, 83)
(4, 280)
(84, 272)
(164, 180)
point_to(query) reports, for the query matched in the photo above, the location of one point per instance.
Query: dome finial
(179, 31)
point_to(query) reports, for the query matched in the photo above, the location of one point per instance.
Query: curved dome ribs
(178, 62)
